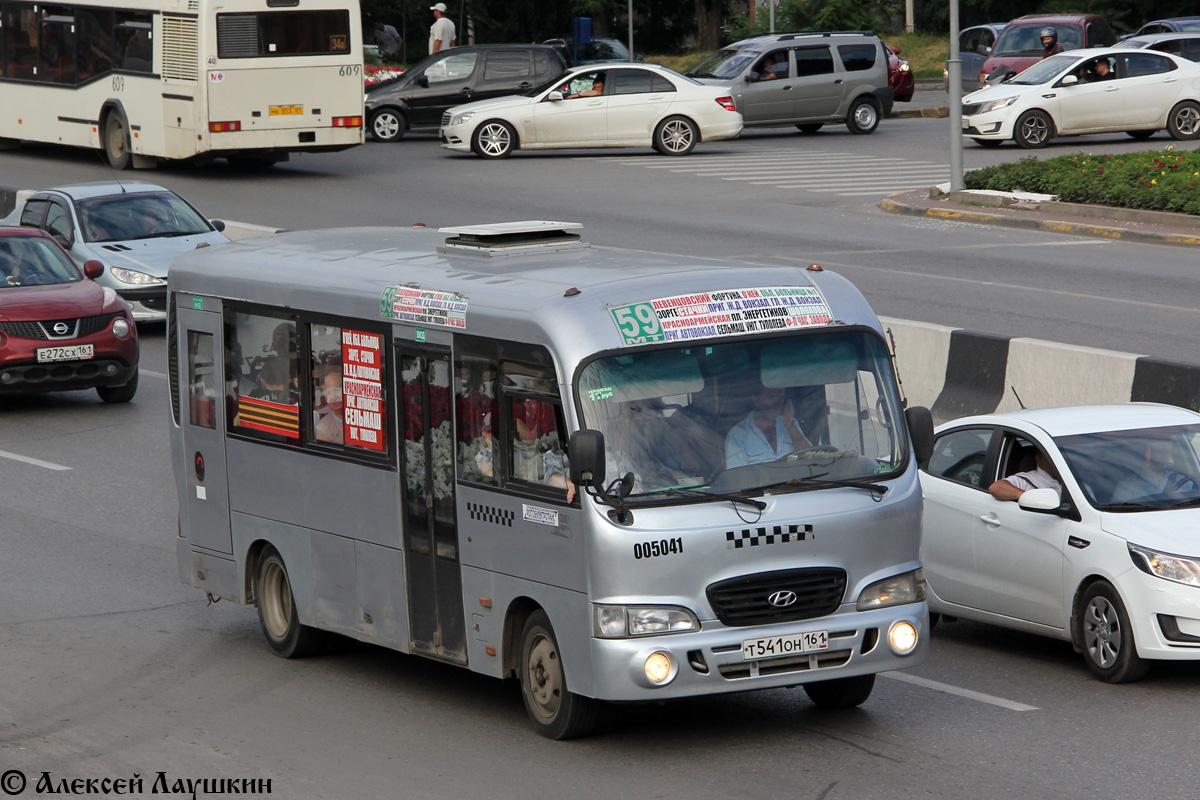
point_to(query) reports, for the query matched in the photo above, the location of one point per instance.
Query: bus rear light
(726, 103)
(347, 122)
(224, 127)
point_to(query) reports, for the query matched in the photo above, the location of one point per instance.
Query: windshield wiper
(821, 480)
(679, 491)
(1127, 507)
(1193, 503)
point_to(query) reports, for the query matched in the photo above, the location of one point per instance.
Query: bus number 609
(663, 547)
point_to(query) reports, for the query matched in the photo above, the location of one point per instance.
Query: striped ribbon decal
(263, 415)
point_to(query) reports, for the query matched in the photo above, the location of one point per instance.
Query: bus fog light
(902, 637)
(660, 668)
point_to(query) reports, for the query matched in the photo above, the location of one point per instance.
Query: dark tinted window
(507, 66)
(132, 39)
(661, 84)
(813, 61)
(542, 66)
(959, 456)
(1137, 64)
(33, 213)
(1191, 49)
(19, 41)
(94, 39)
(56, 61)
(283, 33)
(858, 56)
(58, 221)
(34, 261)
(633, 81)
(1099, 34)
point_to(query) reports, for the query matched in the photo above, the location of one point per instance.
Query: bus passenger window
(202, 384)
(267, 379)
(476, 408)
(537, 455)
(134, 49)
(347, 387)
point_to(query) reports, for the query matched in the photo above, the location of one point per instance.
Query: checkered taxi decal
(757, 537)
(496, 516)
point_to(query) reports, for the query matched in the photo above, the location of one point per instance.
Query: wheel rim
(676, 136)
(1102, 632)
(1187, 121)
(115, 140)
(864, 116)
(1034, 130)
(494, 140)
(387, 126)
(276, 600)
(545, 683)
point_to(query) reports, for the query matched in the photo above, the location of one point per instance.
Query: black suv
(416, 100)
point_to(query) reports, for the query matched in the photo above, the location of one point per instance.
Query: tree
(708, 23)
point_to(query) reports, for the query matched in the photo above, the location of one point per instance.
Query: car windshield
(747, 417)
(1144, 469)
(34, 261)
(138, 215)
(724, 64)
(1026, 40)
(1044, 71)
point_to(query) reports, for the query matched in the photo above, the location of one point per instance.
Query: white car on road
(608, 105)
(1111, 564)
(1099, 90)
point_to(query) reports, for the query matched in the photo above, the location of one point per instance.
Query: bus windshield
(747, 416)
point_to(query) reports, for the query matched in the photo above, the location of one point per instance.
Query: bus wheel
(116, 141)
(556, 712)
(841, 692)
(277, 611)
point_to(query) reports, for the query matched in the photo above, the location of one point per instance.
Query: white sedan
(1100, 90)
(609, 105)
(1111, 563)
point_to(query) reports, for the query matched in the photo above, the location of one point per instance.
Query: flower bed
(1160, 180)
(373, 75)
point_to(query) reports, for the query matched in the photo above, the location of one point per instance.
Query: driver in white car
(1012, 487)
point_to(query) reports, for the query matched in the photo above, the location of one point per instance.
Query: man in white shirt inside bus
(441, 35)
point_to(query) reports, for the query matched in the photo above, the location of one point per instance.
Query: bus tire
(116, 145)
(118, 394)
(556, 712)
(841, 692)
(277, 610)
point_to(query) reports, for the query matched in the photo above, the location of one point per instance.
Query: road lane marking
(938, 686)
(37, 462)
(162, 375)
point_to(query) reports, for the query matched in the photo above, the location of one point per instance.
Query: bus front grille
(781, 596)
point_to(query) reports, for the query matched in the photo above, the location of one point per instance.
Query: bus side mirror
(920, 427)
(586, 451)
(93, 269)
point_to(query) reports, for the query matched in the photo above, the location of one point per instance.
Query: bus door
(204, 507)
(434, 579)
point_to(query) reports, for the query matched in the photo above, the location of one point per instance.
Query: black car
(415, 101)
(597, 51)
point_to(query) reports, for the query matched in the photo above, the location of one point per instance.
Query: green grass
(679, 63)
(925, 53)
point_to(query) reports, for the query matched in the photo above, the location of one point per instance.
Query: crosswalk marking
(843, 174)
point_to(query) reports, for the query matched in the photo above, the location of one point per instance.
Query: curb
(930, 112)
(894, 206)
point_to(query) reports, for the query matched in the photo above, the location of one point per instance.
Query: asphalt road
(110, 667)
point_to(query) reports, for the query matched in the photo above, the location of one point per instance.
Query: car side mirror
(1070, 80)
(983, 50)
(93, 269)
(751, 77)
(423, 81)
(219, 224)
(1042, 501)
(896, 50)
(555, 96)
(586, 452)
(920, 428)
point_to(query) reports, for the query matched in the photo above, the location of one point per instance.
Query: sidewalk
(1042, 212)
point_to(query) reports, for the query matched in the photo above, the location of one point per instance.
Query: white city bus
(370, 430)
(143, 80)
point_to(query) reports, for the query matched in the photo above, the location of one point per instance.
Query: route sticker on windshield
(424, 307)
(733, 312)
(603, 393)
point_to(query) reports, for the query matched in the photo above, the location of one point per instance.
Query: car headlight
(134, 277)
(1179, 569)
(996, 105)
(622, 622)
(897, 590)
(904, 66)
(459, 119)
(110, 298)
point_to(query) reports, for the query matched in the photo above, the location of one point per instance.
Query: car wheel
(1141, 134)
(556, 712)
(988, 142)
(277, 611)
(841, 692)
(1184, 120)
(118, 394)
(676, 136)
(116, 141)
(809, 127)
(494, 139)
(1107, 638)
(387, 125)
(863, 116)
(1034, 129)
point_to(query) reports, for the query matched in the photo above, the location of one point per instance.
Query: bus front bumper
(710, 661)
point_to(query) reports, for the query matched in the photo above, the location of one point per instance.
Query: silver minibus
(613, 475)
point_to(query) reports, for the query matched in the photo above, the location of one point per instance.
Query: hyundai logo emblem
(61, 328)
(782, 599)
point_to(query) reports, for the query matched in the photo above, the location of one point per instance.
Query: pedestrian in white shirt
(441, 35)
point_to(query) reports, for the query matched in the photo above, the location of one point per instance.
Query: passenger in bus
(275, 383)
(330, 406)
(769, 433)
(531, 445)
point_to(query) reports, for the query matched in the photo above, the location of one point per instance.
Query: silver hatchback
(804, 79)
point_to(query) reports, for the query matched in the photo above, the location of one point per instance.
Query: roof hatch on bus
(511, 238)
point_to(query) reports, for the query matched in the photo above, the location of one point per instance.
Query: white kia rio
(1100, 90)
(1110, 563)
(597, 105)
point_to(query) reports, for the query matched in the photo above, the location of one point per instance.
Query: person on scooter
(1050, 45)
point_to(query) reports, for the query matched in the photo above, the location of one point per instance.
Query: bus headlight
(660, 668)
(622, 622)
(897, 590)
(902, 637)
(134, 277)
